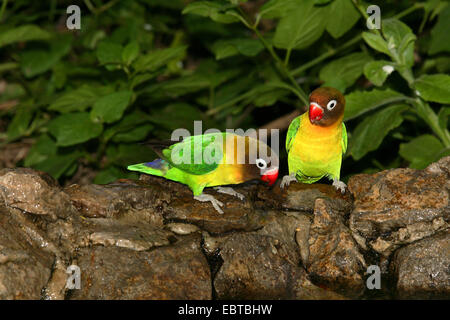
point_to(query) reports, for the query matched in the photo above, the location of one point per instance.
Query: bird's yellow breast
(316, 144)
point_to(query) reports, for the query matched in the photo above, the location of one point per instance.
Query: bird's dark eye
(331, 104)
(261, 163)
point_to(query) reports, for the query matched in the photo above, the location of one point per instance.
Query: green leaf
(79, 99)
(110, 108)
(443, 116)
(126, 154)
(400, 41)
(109, 52)
(213, 10)
(186, 115)
(434, 87)
(141, 78)
(157, 59)
(343, 72)
(133, 135)
(443, 64)
(130, 52)
(11, 91)
(378, 71)
(178, 87)
(369, 133)
(8, 66)
(341, 18)
(277, 8)
(231, 47)
(360, 102)
(128, 123)
(440, 35)
(269, 97)
(19, 124)
(22, 34)
(34, 62)
(57, 164)
(74, 128)
(376, 42)
(41, 150)
(422, 151)
(59, 75)
(300, 27)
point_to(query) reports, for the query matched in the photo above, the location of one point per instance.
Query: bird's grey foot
(339, 185)
(230, 191)
(286, 181)
(207, 197)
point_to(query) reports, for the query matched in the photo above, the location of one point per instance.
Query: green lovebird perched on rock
(213, 160)
(317, 140)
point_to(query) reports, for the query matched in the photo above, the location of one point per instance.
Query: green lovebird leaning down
(317, 140)
(213, 160)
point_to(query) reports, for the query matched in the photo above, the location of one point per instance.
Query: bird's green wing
(191, 154)
(344, 138)
(292, 131)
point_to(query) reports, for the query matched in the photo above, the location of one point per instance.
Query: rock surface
(400, 206)
(334, 258)
(422, 269)
(149, 239)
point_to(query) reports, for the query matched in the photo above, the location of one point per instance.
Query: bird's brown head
(326, 106)
(262, 161)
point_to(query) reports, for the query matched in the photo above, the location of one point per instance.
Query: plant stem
(324, 56)
(286, 58)
(2, 10)
(363, 12)
(229, 103)
(282, 68)
(332, 52)
(405, 12)
(427, 114)
(104, 7)
(422, 108)
(280, 65)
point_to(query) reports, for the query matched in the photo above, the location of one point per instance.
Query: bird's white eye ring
(261, 163)
(331, 104)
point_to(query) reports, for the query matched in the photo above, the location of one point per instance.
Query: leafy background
(76, 103)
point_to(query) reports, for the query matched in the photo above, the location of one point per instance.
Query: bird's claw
(215, 203)
(339, 185)
(286, 181)
(230, 191)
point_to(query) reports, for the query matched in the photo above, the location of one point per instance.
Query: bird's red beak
(270, 176)
(315, 112)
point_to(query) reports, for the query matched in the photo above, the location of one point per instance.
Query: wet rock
(400, 206)
(182, 228)
(178, 271)
(124, 196)
(33, 192)
(266, 264)
(246, 215)
(150, 239)
(125, 234)
(422, 269)
(257, 267)
(25, 267)
(334, 260)
(55, 288)
(238, 215)
(302, 197)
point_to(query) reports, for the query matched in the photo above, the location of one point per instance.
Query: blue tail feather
(156, 164)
